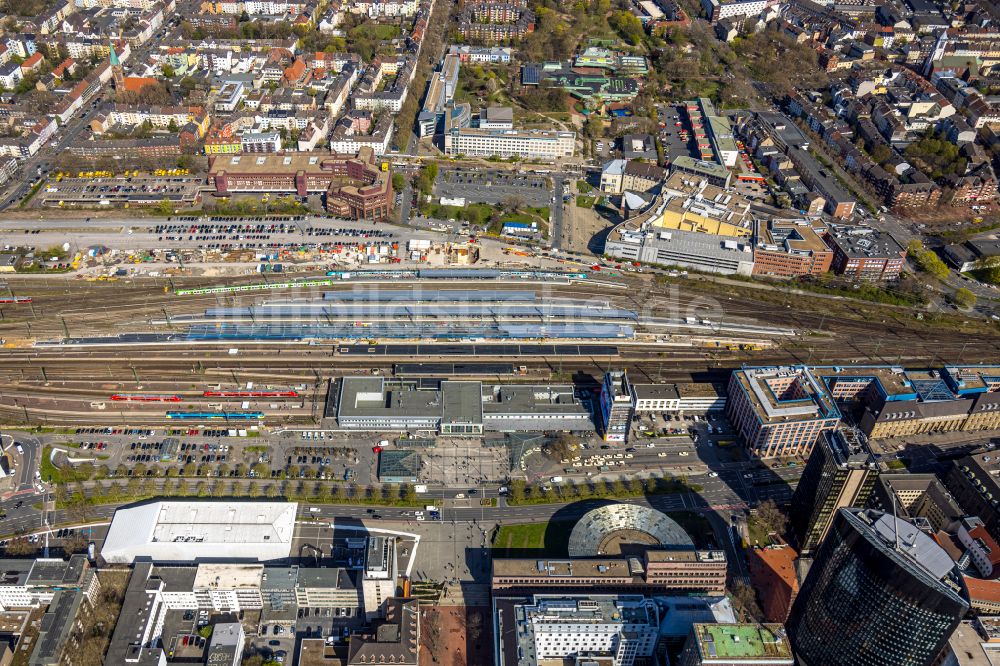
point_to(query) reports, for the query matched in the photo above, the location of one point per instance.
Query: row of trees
(521, 492)
(78, 497)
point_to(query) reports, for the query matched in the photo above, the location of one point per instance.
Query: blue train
(228, 416)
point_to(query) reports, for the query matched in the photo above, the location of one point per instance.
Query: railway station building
(457, 408)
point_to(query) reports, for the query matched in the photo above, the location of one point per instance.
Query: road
(555, 233)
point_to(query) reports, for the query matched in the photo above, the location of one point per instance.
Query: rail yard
(157, 350)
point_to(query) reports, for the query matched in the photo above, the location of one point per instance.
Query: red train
(250, 394)
(15, 300)
(118, 397)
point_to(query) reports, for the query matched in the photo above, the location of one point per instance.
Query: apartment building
(549, 145)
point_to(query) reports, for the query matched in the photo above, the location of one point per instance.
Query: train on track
(250, 394)
(121, 397)
(418, 273)
(14, 300)
(211, 416)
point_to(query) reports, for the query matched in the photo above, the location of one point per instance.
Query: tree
(926, 260)
(628, 26)
(517, 487)
(560, 447)
(964, 298)
(168, 71)
(771, 517)
(398, 182)
(746, 600)
(593, 127)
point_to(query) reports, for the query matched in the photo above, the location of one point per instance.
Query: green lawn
(584, 187)
(585, 202)
(758, 533)
(529, 539)
(527, 535)
(696, 525)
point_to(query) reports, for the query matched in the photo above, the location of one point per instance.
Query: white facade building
(619, 627)
(528, 144)
(192, 531)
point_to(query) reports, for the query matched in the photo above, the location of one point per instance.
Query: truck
(20, 450)
(431, 507)
(556, 479)
(313, 509)
(420, 488)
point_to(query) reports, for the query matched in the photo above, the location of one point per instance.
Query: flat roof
(746, 642)
(535, 399)
(810, 402)
(589, 567)
(700, 390)
(656, 391)
(689, 163)
(892, 378)
(792, 235)
(181, 531)
(229, 576)
(865, 242)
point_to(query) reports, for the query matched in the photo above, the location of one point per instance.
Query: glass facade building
(880, 593)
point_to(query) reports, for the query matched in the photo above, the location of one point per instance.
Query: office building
(225, 648)
(840, 473)
(880, 592)
(973, 483)
(914, 496)
(548, 145)
(616, 406)
(619, 548)
(687, 398)
(790, 248)
(864, 253)
(737, 645)
(653, 572)
(27, 583)
(355, 187)
(773, 575)
(395, 640)
(155, 591)
(719, 132)
(61, 620)
(192, 531)
(612, 630)
(780, 411)
(974, 643)
(717, 10)
(713, 173)
(980, 546)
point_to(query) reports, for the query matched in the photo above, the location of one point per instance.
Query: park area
(455, 636)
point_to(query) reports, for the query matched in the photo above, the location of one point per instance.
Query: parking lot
(116, 191)
(675, 135)
(231, 453)
(244, 229)
(493, 187)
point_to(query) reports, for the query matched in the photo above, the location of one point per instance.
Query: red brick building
(862, 253)
(788, 248)
(355, 186)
